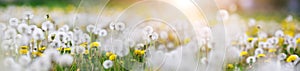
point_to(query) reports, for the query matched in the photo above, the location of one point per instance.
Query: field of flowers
(58, 39)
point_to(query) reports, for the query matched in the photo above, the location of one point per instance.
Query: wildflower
(292, 58)
(272, 50)
(244, 53)
(282, 56)
(10, 33)
(112, 26)
(230, 66)
(139, 52)
(153, 36)
(13, 22)
(223, 15)
(94, 45)
(2, 26)
(259, 51)
(47, 25)
(22, 28)
(108, 54)
(51, 36)
(101, 32)
(112, 57)
(90, 28)
(32, 28)
(279, 33)
(28, 15)
(251, 60)
(289, 18)
(260, 55)
(65, 60)
(107, 64)
(120, 26)
(79, 49)
(251, 22)
(148, 30)
(163, 35)
(250, 40)
(86, 52)
(38, 34)
(186, 40)
(84, 44)
(24, 60)
(23, 50)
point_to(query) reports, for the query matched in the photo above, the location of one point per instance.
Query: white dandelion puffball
(22, 28)
(28, 15)
(102, 33)
(52, 53)
(10, 33)
(282, 56)
(153, 36)
(47, 25)
(123, 51)
(32, 28)
(90, 28)
(2, 26)
(107, 64)
(148, 30)
(259, 51)
(163, 35)
(289, 18)
(279, 33)
(8, 62)
(24, 60)
(223, 15)
(38, 34)
(251, 60)
(65, 60)
(252, 22)
(112, 26)
(120, 26)
(79, 49)
(13, 22)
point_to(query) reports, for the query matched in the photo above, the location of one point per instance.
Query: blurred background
(242, 6)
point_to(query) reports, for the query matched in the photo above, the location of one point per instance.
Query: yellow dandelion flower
(250, 39)
(84, 44)
(261, 55)
(230, 66)
(281, 40)
(243, 53)
(186, 40)
(86, 52)
(298, 40)
(142, 52)
(108, 54)
(42, 48)
(137, 52)
(23, 51)
(59, 49)
(292, 58)
(272, 50)
(94, 44)
(112, 57)
(24, 47)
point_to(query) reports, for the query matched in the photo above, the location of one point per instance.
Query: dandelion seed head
(24, 60)
(107, 64)
(48, 26)
(251, 60)
(65, 60)
(13, 22)
(120, 26)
